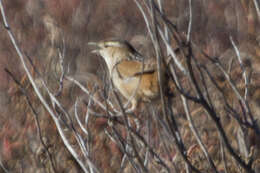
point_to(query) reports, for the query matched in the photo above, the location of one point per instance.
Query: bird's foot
(126, 111)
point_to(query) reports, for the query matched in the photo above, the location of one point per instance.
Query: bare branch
(77, 118)
(242, 67)
(257, 8)
(223, 156)
(38, 93)
(61, 60)
(190, 22)
(214, 116)
(25, 93)
(84, 89)
(171, 52)
(3, 167)
(196, 134)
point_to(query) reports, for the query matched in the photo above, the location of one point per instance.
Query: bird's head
(114, 51)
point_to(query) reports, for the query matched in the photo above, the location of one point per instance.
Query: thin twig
(196, 134)
(84, 89)
(172, 53)
(25, 93)
(158, 56)
(242, 67)
(61, 60)
(223, 156)
(214, 116)
(190, 22)
(38, 93)
(78, 120)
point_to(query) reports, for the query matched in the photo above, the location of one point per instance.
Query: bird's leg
(130, 110)
(133, 106)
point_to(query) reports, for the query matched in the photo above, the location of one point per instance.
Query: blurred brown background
(40, 26)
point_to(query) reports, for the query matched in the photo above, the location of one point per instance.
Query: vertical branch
(246, 81)
(179, 142)
(256, 2)
(129, 135)
(78, 120)
(148, 26)
(190, 22)
(223, 156)
(242, 68)
(166, 33)
(61, 60)
(171, 52)
(148, 127)
(196, 134)
(158, 55)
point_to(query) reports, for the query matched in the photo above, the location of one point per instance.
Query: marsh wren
(135, 78)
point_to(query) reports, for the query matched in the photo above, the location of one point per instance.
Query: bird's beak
(96, 51)
(92, 43)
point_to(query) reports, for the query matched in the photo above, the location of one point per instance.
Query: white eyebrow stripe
(111, 43)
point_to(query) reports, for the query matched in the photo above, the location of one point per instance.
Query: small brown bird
(135, 79)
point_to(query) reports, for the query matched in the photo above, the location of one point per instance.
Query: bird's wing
(127, 69)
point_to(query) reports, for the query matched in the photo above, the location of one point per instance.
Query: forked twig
(25, 93)
(39, 94)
